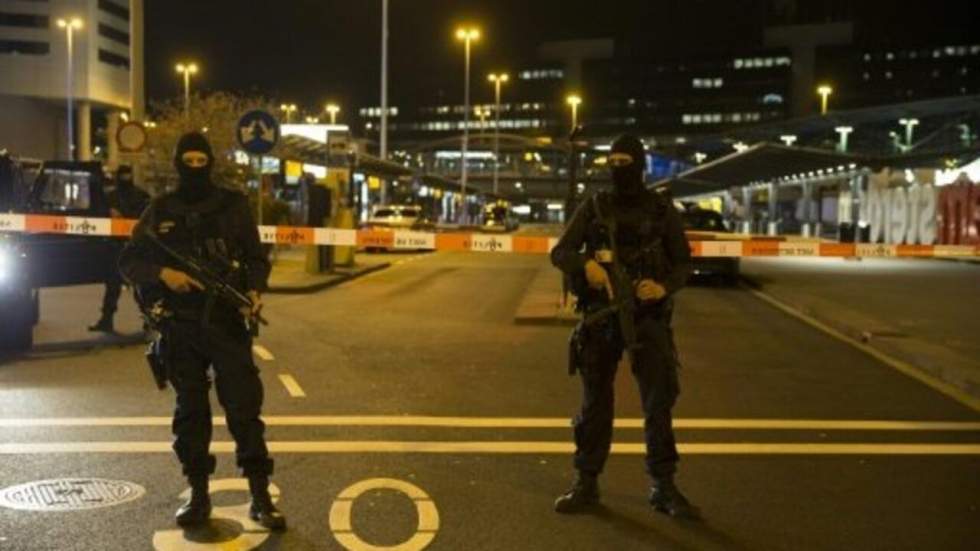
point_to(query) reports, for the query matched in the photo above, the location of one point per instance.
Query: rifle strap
(608, 222)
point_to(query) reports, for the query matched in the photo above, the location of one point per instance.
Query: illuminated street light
(187, 69)
(70, 26)
(312, 120)
(788, 139)
(824, 91)
(467, 36)
(288, 109)
(843, 131)
(498, 81)
(740, 146)
(699, 157)
(909, 125)
(574, 101)
(332, 110)
(482, 114)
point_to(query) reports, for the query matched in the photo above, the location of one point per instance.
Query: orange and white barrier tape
(703, 244)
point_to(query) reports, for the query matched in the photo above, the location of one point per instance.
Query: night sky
(309, 51)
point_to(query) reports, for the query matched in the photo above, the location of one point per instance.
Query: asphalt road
(417, 374)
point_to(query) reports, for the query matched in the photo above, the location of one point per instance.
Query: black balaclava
(124, 176)
(195, 182)
(628, 178)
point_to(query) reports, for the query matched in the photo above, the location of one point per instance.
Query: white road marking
(292, 386)
(443, 447)
(903, 367)
(511, 422)
(343, 529)
(263, 352)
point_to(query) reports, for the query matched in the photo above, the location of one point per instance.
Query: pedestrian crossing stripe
(513, 423)
(503, 447)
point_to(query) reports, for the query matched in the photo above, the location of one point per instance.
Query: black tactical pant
(113, 288)
(655, 371)
(227, 349)
(110, 300)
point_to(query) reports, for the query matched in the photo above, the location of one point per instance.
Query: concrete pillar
(773, 227)
(112, 162)
(137, 87)
(806, 227)
(747, 217)
(84, 152)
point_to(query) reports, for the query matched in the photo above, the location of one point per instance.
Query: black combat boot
(104, 325)
(262, 510)
(667, 498)
(583, 494)
(197, 510)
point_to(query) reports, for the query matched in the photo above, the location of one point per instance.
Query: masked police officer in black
(125, 201)
(204, 221)
(654, 252)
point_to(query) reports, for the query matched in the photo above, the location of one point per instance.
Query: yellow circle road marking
(340, 515)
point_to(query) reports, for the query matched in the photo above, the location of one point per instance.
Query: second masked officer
(203, 335)
(644, 230)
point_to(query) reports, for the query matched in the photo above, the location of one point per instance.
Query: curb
(313, 288)
(961, 389)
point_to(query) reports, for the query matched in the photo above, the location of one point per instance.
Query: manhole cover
(69, 494)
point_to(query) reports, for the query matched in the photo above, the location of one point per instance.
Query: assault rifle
(621, 291)
(214, 284)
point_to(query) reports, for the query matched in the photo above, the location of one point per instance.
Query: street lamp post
(497, 81)
(288, 109)
(574, 101)
(333, 109)
(843, 131)
(909, 125)
(70, 26)
(467, 36)
(187, 69)
(824, 92)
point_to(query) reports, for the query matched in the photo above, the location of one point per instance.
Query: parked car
(498, 218)
(398, 217)
(29, 262)
(702, 220)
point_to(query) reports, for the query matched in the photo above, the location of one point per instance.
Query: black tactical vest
(639, 227)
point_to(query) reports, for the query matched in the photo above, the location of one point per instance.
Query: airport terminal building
(107, 73)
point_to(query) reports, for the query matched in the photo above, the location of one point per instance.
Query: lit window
(889, 56)
(950, 51)
(975, 49)
(772, 98)
(686, 119)
(739, 63)
(937, 53)
(961, 50)
(769, 62)
(736, 117)
(867, 76)
(719, 82)
(867, 58)
(888, 74)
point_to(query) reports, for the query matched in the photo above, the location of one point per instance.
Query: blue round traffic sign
(258, 132)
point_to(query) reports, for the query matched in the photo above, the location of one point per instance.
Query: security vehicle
(708, 221)
(499, 218)
(397, 217)
(29, 262)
